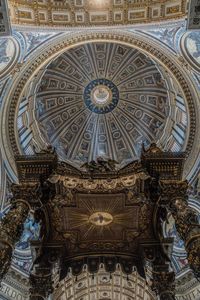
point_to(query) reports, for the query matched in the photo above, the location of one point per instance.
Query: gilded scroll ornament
(186, 220)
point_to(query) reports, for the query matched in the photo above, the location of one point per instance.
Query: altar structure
(101, 217)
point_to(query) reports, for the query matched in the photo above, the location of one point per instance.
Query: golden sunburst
(96, 216)
(101, 218)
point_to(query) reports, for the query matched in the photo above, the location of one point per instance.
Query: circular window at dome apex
(103, 100)
(101, 96)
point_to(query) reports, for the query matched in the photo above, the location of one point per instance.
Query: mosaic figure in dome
(165, 35)
(192, 44)
(35, 39)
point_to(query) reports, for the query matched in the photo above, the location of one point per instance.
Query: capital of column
(28, 192)
(171, 189)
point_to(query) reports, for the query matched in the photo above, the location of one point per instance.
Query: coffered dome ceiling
(102, 99)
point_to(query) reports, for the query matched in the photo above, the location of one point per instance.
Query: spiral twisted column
(11, 226)
(171, 193)
(174, 195)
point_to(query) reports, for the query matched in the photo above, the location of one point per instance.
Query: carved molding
(100, 184)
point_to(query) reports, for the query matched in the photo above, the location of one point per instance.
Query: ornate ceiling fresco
(70, 13)
(114, 127)
(102, 100)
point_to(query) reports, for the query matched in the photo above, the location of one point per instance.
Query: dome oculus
(101, 96)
